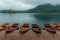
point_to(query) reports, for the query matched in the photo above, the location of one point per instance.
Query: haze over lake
(31, 18)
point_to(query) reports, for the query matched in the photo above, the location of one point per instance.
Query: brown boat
(55, 25)
(15, 25)
(51, 30)
(5, 25)
(10, 29)
(24, 28)
(58, 28)
(1, 28)
(46, 26)
(36, 28)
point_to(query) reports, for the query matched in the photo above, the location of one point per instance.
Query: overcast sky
(24, 4)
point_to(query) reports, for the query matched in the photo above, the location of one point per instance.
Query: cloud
(24, 4)
(54, 2)
(16, 5)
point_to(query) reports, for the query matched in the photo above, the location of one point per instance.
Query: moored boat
(51, 30)
(1, 28)
(10, 29)
(15, 25)
(56, 26)
(24, 28)
(5, 25)
(36, 28)
(46, 26)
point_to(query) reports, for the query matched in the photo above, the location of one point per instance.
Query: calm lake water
(31, 18)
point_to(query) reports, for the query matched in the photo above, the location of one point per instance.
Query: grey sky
(24, 4)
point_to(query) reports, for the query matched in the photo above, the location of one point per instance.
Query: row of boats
(51, 28)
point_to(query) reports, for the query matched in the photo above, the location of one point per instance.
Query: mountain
(45, 8)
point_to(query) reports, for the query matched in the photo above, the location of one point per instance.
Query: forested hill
(46, 8)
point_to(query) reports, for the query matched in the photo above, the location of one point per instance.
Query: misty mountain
(45, 8)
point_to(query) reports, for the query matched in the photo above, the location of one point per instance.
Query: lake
(31, 18)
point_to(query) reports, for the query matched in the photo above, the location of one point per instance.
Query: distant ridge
(44, 8)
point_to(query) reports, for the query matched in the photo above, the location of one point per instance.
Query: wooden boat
(56, 26)
(24, 28)
(46, 26)
(15, 25)
(10, 29)
(1, 28)
(51, 30)
(5, 25)
(36, 28)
